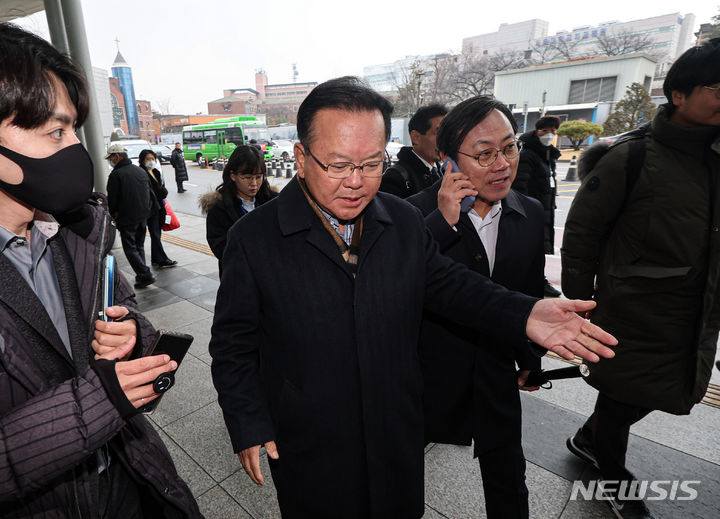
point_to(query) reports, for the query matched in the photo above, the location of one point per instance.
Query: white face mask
(150, 164)
(547, 139)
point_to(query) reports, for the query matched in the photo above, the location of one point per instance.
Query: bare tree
(474, 76)
(439, 83)
(409, 89)
(162, 105)
(565, 48)
(623, 42)
(539, 54)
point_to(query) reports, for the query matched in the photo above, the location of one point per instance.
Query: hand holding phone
(108, 285)
(176, 346)
(467, 202)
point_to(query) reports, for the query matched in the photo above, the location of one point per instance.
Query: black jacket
(338, 386)
(418, 175)
(177, 159)
(471, 392)
(130, 199)
(55, 412)
(160, 192)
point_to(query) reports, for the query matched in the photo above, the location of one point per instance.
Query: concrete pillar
(72, 16)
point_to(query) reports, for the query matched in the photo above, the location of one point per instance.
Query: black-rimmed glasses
(487, 158)
(371, 169)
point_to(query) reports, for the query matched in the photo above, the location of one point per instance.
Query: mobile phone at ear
(467, 202)
(108, 284)
(176, 345)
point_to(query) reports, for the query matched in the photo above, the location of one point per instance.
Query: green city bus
(218, 139)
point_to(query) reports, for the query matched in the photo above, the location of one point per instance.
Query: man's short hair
(463, 118)
(27, 92)
(698, 66)
(343, 93)
(547, 121)
(420, 121)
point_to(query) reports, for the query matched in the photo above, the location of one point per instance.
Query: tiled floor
(662, 446)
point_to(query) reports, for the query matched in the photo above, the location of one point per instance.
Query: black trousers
(180, 185)
(133, 244)
(157, 253)
(503, 476)
(606, 432)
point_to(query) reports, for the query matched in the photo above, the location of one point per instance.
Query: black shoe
(581, 451)
(717, 364)
(629, 508)
(142, 281)
(166, 264)
(181, 190)
(551, 291)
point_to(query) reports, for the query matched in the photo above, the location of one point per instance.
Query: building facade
(145, 122)
(580, 89)
(117, 103)
(388, 77)
(122, 71)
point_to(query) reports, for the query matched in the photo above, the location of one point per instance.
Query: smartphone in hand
(108, 285)
(467, 202)
(176, 345)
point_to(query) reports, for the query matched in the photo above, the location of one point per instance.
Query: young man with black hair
(417, 166)
(536, 178)
(470, 382)
(650, 257)
(334, 393)
(72, 443)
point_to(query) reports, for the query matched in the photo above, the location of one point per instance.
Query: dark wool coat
(418, 174)
(326, 364)
(130, 199)
(655, 256)
(177, 160)
(471, 392)
(55, 412)
(536, 179)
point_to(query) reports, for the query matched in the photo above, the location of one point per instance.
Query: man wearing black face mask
(131, 203)
(71, 441)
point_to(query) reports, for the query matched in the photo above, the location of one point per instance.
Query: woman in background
(244, 188)
(148, 161)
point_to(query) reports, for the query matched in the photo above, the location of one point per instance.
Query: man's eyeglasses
(716, 90)
(371, 169)
(487, 158)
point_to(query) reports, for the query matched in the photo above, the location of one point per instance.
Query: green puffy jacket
(651, 260)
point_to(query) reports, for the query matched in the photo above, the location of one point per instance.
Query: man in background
(177, 160)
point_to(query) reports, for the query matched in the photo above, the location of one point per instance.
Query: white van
(134, 147)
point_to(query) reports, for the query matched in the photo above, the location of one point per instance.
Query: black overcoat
(177, 160)
(326, 364)
(471, 392)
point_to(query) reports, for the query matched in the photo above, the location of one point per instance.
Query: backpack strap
(404, 174)
(635, 157)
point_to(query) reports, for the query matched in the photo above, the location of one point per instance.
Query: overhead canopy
(11, 9)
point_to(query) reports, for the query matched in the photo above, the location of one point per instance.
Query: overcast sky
(187, 52)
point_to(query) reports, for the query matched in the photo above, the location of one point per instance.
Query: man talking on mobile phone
(71, 441)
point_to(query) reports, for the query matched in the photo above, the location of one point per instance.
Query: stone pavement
(662, 446)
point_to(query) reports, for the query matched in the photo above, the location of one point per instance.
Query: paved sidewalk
(189, 420)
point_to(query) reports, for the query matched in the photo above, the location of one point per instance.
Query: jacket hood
(208, 200)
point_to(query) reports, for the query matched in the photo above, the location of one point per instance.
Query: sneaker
(629, 509)
(581, 451)
(142, 281)
(551, 291)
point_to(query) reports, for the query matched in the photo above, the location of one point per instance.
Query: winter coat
(221, 209)
(160, 192)
(338, 386)
(654, 254)
(536, 179)
(130, 200)
(177, 160)
(471, 392)
(55, 411)
(418, 175)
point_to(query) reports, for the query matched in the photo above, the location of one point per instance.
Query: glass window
(592, 90)
(210, 136)
(192, 137)
(607, 88)
(234, 135)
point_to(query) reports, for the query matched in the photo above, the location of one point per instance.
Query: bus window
(210, 137)
(192, 138)
(234, 135)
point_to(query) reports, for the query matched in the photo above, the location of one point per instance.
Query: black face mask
(56, 184)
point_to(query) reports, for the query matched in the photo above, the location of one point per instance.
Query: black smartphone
(176, 345)
(467, 202)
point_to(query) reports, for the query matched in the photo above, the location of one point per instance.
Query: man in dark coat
(471, 392)
(177, 160)
(131, 202)
(536, 178)
(650, 256)
(71, 441)
(416, 168)
(314, 340)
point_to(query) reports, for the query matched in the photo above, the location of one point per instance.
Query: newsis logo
(658, 490)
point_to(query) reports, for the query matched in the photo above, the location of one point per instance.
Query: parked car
(134, 147)
(163, 152)
(282, 149)
(392, 149)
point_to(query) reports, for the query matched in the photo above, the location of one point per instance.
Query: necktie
(434, 173)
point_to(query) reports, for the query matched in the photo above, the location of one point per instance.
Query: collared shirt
(427, 164)
(487, 229)
(347, 232)
(34, 262)
(248, 205)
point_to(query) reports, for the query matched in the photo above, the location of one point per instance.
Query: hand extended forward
(555, 324)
